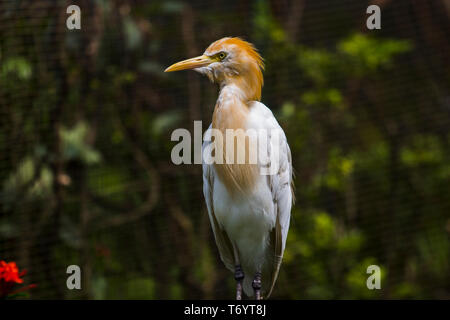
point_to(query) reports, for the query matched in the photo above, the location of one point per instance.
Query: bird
(249, 210)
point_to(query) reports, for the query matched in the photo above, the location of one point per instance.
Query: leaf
(18, 66)
(75, 146)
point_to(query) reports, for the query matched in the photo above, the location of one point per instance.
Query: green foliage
(132, 32)
(329, 256)
(17, 66)
(423, 150)
(75, 146)
(344, 154)
(317, 64)
(339, 169)
(140, 288)
(36, 181)
(85, 169)
(366, 54)
(265, 25)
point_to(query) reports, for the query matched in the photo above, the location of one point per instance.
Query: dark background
(85, 123)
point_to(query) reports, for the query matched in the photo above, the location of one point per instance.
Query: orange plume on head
(247, 47)
(248, 58)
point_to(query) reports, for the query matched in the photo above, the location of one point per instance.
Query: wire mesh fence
(86, 117)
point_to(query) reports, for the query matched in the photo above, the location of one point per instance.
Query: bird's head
(229, 61)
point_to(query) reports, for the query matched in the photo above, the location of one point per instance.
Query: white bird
(249, 211)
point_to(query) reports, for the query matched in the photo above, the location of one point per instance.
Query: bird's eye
(222, 55)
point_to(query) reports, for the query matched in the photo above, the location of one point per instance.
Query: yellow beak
(197, 62)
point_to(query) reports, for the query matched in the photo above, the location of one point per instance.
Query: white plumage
(249, 221)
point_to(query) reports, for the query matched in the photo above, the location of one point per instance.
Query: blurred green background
(86, 118)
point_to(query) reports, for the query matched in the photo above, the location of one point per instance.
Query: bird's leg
(239, 276)
(256, 284)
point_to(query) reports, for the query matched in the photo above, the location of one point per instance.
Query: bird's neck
(231, 112)
(231, 108)
(246, 84)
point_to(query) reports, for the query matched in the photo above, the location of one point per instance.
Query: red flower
(9, 278)
(9, 272)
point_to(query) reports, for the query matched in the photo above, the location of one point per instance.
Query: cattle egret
(249, 210)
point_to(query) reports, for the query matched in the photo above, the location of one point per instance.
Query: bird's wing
(222, 240)
(281, 186)
(282, 192)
